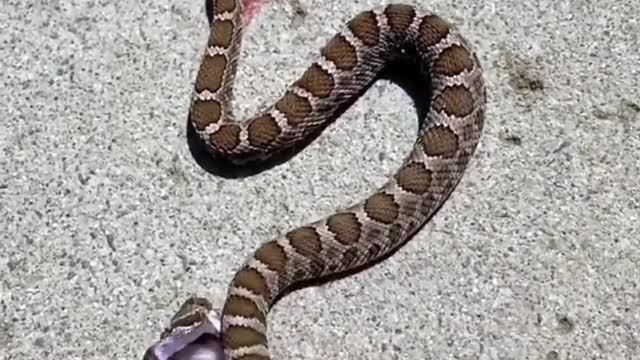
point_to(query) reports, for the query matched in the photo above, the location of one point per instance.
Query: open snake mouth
(200, 341)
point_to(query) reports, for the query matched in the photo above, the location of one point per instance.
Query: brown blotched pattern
(294, 107)
(340, 52)
(211, 73)
(204, 113)
(263, 131)
(399, 17)
(455, 100)
(305, 241)
(345, 227)
(365, 27)
(414, 178)
(440, 141)
(363, 232)
(223, 6)
(227, 137)
(382, 208)
(221, 33)
(316, 80)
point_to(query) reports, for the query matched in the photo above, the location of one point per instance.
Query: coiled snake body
(359, 234)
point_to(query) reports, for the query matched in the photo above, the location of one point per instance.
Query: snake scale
(359, 234)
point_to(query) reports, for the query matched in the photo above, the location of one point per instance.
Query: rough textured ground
(107, 222)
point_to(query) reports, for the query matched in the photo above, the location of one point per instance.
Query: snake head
(194, 334)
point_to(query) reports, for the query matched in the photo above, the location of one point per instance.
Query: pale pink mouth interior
(198, 342)
(206, 347)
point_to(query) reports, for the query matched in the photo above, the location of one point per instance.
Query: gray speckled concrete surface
(107, 222)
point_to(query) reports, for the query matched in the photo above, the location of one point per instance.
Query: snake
(361, 233)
